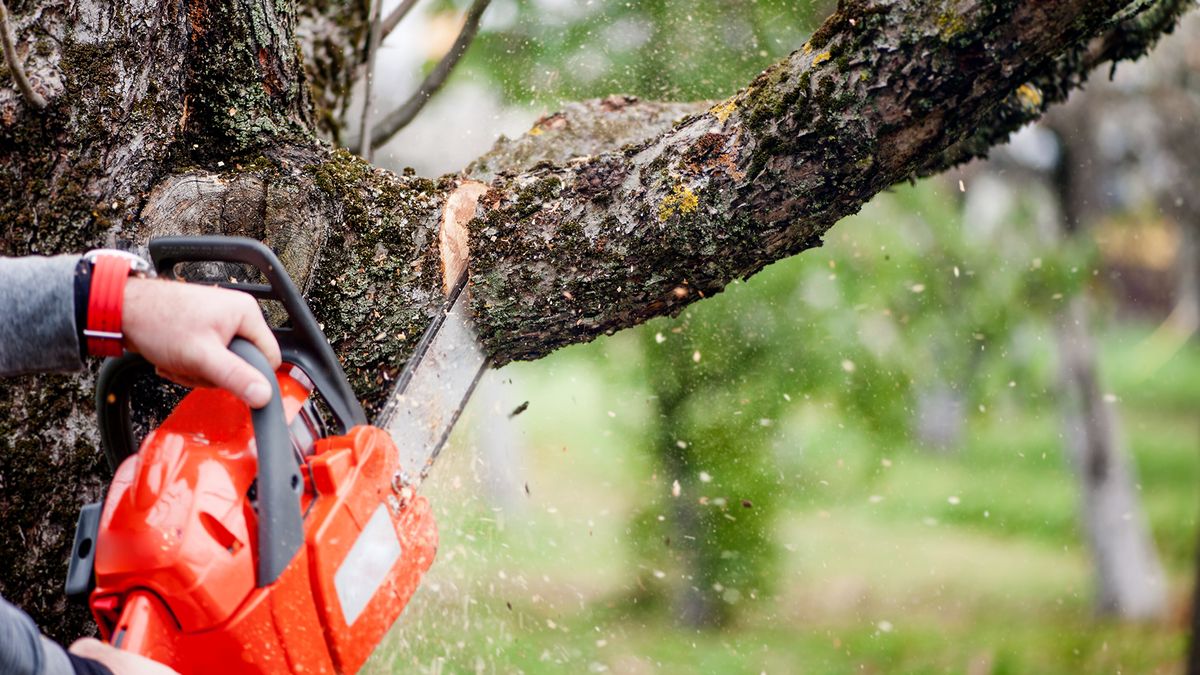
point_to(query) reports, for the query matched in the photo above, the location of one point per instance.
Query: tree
(1063, 196)
(199, 116)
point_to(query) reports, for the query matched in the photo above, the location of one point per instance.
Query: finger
(228, 371)
(118, 661)
(254, 328)
(86, 647)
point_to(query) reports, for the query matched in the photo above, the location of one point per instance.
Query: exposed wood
(452, 237)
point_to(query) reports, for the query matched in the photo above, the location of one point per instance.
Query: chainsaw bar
(434, 387)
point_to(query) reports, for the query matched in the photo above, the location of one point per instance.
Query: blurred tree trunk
(708, 526)
(1129, 577)
(192, 116)
(695, 603)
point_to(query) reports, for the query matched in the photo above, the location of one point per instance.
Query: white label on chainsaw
(367, 565)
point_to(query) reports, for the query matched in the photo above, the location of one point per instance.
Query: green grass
(893, 560)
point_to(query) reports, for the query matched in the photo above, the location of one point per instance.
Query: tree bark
(198, 116)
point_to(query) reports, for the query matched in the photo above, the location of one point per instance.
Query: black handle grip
(114, 387)
(279, 484)
(302, 343)
(280, 525)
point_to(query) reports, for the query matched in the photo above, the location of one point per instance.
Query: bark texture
(191, 115)
(881, 93)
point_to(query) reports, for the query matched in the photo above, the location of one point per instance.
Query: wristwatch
(100, 298)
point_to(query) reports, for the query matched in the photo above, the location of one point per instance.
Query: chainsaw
(280, 540)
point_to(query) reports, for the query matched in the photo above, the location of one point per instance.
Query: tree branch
(582, 130)
(1133, 35)
(397, 15)
(400, 118)
(563, 253)
(374, 39)
(608, 214)
(14, 62)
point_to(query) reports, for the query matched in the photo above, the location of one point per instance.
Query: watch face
(137, 264)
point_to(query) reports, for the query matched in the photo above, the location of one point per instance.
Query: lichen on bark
(882, 93)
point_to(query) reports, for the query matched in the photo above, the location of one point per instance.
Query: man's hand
(119, 662)
(185, 329)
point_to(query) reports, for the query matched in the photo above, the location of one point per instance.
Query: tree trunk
(196, 116)
(696, 605)
(1129, 577)
(1130, 582)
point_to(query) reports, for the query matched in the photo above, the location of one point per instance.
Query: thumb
(228, 371)
(117, 661)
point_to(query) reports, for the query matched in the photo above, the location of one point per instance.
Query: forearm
(24, 651)
(37, 315)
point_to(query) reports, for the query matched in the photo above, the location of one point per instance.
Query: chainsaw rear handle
(279, 484)
(301, 342)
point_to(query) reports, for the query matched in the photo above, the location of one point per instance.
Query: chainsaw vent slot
(220, 533)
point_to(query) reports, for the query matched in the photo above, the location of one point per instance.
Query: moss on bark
(379, 279)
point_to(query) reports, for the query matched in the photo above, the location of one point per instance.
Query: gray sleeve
(37, 315)
(25, 651)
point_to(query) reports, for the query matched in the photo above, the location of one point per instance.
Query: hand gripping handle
(279, 484)
(301, 340)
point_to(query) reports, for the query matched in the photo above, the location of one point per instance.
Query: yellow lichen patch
(821, 58)
(681, 200)
(724, 109)
(536, 130)
(1030, 97)
(807, 49)
(950, 25)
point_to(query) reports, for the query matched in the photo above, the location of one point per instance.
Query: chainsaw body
(253, 543)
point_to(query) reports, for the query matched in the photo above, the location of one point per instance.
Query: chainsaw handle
(280, 525)
(113, 389)
(301, 342)
(279, 484)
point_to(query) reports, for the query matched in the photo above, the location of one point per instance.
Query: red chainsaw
(281, 540)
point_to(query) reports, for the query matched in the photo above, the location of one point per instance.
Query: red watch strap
(105, 303)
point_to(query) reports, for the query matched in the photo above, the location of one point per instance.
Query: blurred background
(962, 436)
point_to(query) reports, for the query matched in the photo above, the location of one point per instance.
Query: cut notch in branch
(452, 236)
(14, 62)
(400, 117)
